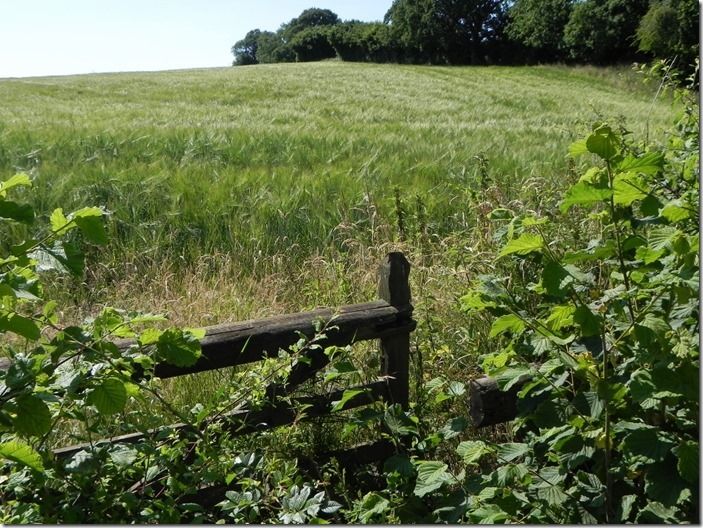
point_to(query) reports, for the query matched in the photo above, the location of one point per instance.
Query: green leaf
(431, 475)
(59, 221)
(14, 211)
(554, 495)
(400, 464)
(663, 485)
(33, 416)
(122, 455)
(647, 445)
(582, 194)
(688, 460)
(603, 142)
(510, 451)
(90, 221)
(523, 245)
(656, 512)
(109, 397)
(650, 163)
(507, 323)
(648, 255)
(663, 237)
(20, 325)
(589, 403)
(588, 322)
(373, 504)
(674, 212)
(178, 348)
(507, 377)
(625, 507)
(347, 396)
(22, 453)
(472, 302)
(627, 188)
(578, 148)
(471, 451)
(398, 422)
(17, 180)
(561, 316)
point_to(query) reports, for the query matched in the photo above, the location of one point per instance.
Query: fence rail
(388, 319)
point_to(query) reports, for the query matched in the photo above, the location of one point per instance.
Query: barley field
(237, 193)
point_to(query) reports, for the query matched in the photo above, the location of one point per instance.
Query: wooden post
(393, 287)
(489, 405)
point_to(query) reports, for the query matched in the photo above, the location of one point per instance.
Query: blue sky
(59, 37)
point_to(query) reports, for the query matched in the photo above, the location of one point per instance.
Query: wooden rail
(388, 319)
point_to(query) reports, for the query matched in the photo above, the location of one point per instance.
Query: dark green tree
(603, 31)
(272, 48)
(447, 31)
(539, 26)
(309, 18)
(244, 51)
(670, 29)
(312, 44)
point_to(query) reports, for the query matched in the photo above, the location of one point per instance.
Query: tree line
(487, 32)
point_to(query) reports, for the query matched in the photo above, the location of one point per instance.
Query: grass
(244, 192)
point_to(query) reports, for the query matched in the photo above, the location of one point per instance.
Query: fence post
(393, 287)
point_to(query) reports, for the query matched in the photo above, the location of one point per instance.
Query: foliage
(539, 25)
(603, 31)
(312, 44)
(446, 31)
(245, 50)
(363, 41)
(602, 339)
(308, 19)
(670, 29)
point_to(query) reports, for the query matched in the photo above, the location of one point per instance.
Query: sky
(62, 37)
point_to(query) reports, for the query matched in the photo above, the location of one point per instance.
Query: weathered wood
(488, 405)
(394, 288)
(245, 422)
(249, 341)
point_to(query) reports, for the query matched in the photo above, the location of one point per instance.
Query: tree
(272, 48)
(245, 50)
(449, 31)
(309, 18)
(670, 29)
(312, 44)
(603, 31)
(539, 25)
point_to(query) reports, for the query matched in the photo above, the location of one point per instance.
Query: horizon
(79, 37)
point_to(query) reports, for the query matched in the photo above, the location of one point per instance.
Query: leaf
(663, 485)
(347, 396)
(578, 148)
(471, 451)
(627, 188)
(109, 397)
(22, 453)
(584, 193)
(507, 377)
(561, 316)
(590, 403)
(656, 512)
(123, 455)
(179, 348)
(510, 451)
(663, 237)
(400, 464)
(33, 416)
(472, 302)
(398, 422)
(20, 325)
(14, 211)
(626, 504)
(90, 221)
(674, 212)
(588, 322)
(603, 143)
(648, 255)
(505, 323)
(650, 163)
(431, 475)
(554, 495)
(688, 461)
(523, 245)
(20, 179)
(59, 222)
(373, 504)
(647, 445)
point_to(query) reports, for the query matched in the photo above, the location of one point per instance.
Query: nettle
(601, 339)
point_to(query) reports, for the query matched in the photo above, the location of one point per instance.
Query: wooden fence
(388, 319)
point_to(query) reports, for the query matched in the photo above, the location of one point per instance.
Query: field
(244, 192)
